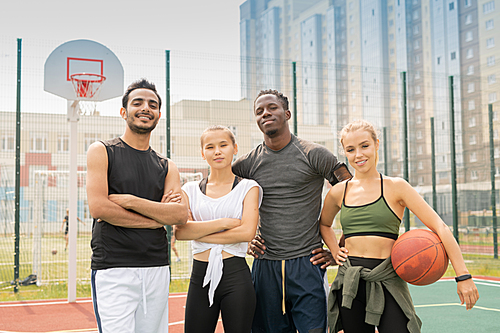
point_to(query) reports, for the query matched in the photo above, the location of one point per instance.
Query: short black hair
(140, 84)
(282, 98)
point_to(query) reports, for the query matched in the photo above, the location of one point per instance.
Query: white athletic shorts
(131, 300)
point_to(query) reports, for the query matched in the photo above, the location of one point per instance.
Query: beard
(271, 133)
(138, 129)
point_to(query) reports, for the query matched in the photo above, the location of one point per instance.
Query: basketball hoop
(87, 87)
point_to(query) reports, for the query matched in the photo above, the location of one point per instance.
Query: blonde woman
(224, 215)
(367, 292)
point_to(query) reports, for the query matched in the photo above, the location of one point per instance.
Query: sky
(211, 26)
(202, 35)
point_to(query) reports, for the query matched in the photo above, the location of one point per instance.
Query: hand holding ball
(419, 257)
(54, 251)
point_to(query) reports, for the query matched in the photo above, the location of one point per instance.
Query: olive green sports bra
(372, 219)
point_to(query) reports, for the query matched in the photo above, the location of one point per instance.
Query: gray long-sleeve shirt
(292, 179)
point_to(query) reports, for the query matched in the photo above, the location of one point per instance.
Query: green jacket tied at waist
(383, 275)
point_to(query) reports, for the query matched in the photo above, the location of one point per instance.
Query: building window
(489, 7)
(469, 36)
(492, 97)
(417, 75)
(490, 42)
(418, 105)
(473, 174)
(391, 37)
(391, 52)
(419, 150)
(470, 70)
(472, 141)
(417, 59)
(419, 119)
(495, 115)
(451, 5)
(38, 143)
(438, 60)
(468, 19)
(492, 79)
(8, 142)
(420, 165)
(416, 15)
(496, 152)
(470, 53)
(416, 29)
(473, 157)
(472, 105)
(467, 3)
(63, 144)
(471, 87)
(490, 61)
(417, 90)
(416, 44)
(453, 55)
(472, 121)
(391, 23)
(90, 139)
(490, 24)
(419, 134)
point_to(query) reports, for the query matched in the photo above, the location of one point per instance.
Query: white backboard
(83, 56)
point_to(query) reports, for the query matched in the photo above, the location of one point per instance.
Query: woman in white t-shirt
(224, 216)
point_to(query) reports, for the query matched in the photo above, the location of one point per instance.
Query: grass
(477, 266)
(54, 267)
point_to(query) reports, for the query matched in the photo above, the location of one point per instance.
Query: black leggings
(393, 318)
(234, 298)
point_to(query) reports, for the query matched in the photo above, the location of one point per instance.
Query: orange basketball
(419, 257)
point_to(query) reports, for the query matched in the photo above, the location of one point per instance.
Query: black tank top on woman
(141, 173)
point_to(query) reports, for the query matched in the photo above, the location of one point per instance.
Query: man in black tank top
(132, 193)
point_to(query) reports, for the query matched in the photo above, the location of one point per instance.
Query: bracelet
(463, 277)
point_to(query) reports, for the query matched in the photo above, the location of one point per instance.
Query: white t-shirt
(204, 208)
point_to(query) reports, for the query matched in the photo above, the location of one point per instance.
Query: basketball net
(87, 90)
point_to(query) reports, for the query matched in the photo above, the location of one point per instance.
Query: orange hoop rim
(76, 77)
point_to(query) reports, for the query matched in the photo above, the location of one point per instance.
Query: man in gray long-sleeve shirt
(291, 172)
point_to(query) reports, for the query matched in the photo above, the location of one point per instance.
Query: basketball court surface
(437, 305)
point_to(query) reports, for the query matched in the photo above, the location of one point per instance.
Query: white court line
(455, 304)
(66, 302)
(41, 303)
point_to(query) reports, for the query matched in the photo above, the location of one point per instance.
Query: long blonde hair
(357, 125)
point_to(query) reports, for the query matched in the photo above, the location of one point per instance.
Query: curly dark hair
(140, 84)
(282, 98)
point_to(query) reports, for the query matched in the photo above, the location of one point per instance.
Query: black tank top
(141, 173)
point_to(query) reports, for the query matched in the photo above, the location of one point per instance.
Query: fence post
(386, 170)
(294, 70)
(405, 146)
(167, 138)
(493, 190)
(433, 165)
(454, 200)
(18, 169)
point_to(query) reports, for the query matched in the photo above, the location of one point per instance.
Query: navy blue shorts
(305, 296)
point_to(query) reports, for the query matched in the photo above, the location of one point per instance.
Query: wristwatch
(463, 277)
